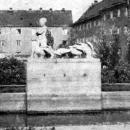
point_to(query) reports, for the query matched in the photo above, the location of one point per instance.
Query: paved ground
(96, 127)
(89, 127)
(91, 120)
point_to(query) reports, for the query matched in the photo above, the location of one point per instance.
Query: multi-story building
(108, 17)
(16, 28)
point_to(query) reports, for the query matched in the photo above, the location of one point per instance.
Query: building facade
(105, 17)
(16, 28)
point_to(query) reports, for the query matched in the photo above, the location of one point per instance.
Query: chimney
(30, 9)
(51, 9)
(40, 8)
(95, 1)
(10, 8)
(63, 9)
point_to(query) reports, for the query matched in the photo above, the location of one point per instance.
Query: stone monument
(63, 84)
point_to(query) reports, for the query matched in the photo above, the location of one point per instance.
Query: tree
(107, 51)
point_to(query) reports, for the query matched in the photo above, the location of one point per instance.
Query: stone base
(63, 103)
(64, 85)
(12, 102)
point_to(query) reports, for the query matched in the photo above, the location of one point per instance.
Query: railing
(12, 88)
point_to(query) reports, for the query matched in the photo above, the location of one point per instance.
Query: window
(111, 14)
(119, 13)
(90, 24)
(2, 43)
(115, 31)
(99, 22)
(21, 18)
(111, 31)
(18, 43)
(108, 15)
(65, 31)
(82, 26)
(95, 23)
(84, 39)
(115, 13)
(104, 17)
(125, 30)
(86, 26)
(118, 31)
(126, 12)
(76, 28)
(30, 24)
(19, 31)
(79, 27)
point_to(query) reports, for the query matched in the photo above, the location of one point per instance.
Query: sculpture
(39, 46)
(79, 50)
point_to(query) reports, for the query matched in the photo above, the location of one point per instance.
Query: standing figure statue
(40, 48)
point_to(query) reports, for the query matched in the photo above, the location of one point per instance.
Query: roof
(30, 18)
(95, 9)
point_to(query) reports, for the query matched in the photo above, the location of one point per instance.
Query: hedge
(12, 71)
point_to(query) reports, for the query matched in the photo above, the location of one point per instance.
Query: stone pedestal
(63, 85)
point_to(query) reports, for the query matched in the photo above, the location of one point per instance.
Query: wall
(12, 102)
(16, 102)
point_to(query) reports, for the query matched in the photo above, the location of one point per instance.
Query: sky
(78, 7)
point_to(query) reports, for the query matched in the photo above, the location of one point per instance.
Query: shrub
(119, 74)
(12, 71)
(108, 51)
(113, 69)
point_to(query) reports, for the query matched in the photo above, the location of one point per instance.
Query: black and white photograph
(64, 64)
